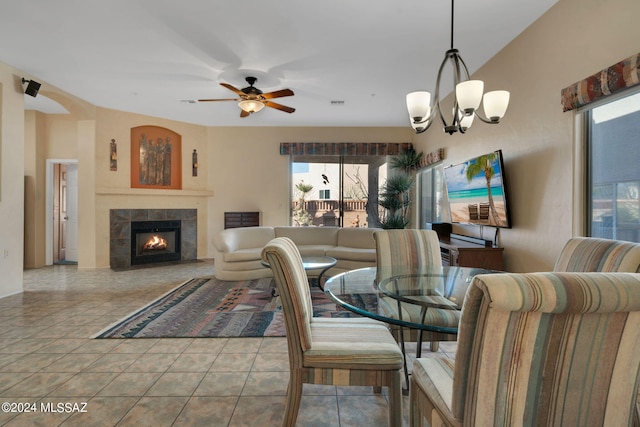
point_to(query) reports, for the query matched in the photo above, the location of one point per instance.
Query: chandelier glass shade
(250, 105)
(468, 95)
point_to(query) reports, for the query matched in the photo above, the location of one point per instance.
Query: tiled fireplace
(147, 236)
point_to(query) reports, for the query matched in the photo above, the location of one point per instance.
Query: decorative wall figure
(194, 163)
(156, 158)
(113, 158)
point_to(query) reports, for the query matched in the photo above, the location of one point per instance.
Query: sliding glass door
(337, 191)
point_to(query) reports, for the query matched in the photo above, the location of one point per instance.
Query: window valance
(615, 78)
(344, 148)
(432, 158)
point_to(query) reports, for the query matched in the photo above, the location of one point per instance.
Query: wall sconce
(113, 156)
(194, 163)
(32, 88)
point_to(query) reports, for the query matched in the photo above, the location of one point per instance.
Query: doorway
(62, 208)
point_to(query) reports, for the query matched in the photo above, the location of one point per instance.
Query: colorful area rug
(208, 307)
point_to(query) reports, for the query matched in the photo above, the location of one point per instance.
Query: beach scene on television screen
(476, 192)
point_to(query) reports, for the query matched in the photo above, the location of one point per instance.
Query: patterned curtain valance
(344, 148)
(431, 158)
(622, 75)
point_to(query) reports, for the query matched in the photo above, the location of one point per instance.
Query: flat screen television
(477, 192)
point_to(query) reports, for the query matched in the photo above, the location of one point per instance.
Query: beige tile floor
(48, 360)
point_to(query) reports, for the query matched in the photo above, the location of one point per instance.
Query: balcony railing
(327, 212)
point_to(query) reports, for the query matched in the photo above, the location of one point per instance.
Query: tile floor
(48, 360)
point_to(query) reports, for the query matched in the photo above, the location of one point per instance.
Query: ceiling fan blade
(221, 99)
(279, 107)
(278, 94)
(244, 113)
(232, 89)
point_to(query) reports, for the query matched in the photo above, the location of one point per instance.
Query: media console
(463, 251)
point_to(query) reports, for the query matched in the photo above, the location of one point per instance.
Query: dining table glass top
(440, 287)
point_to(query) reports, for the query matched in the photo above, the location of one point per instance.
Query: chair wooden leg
(435, 346)
(395, 399)
(404, 357)
(415, 417)
(294, 395)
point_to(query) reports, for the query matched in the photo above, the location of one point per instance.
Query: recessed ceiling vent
(337, 102)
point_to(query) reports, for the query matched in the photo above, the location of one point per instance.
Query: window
(433, 205)
(341, 184)
(613, 150)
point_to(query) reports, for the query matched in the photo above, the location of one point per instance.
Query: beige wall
(249, 174)
(112, 188)
(573, 40)
(12, 153)
(241, 168)
(34, 192)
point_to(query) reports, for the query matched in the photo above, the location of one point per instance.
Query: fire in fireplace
(155, 241)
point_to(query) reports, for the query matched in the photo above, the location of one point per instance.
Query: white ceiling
(150, 56)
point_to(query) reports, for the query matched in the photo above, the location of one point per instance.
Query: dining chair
(594, 254)
(416, 252)
(330, 351)
(537, 349)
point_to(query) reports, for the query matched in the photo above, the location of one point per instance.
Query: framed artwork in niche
(156, 158)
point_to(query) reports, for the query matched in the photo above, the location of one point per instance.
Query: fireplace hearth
(155, 241)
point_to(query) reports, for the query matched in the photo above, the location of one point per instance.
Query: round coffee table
(311, 263)
(322, 263)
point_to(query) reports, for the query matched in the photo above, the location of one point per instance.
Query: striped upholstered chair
(412, 251)
(604, 255)
(538, 349)
(345, 351)
(593, 254)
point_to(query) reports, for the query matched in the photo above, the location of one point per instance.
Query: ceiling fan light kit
(251, 99)
(468, 96)
(250, 106)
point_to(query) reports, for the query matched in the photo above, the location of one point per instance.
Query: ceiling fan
(253, 100)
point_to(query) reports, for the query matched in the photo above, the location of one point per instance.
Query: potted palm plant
(395, 195)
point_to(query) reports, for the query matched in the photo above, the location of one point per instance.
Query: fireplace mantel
(104, 191)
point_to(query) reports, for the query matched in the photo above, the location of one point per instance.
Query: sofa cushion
(243, 255)
(312, 236)
(233, 239)
(313, 250)
(357, 238)
(353, 254)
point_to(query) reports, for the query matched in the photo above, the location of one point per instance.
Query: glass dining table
(442, 287)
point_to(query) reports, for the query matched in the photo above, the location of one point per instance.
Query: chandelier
(467, 98)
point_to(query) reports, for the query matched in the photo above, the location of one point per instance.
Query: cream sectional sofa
(240, 249)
